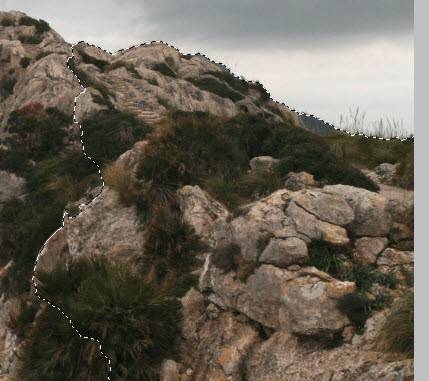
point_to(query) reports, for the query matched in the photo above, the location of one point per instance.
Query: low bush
(164, 69)
(30, 39)
(111, 133)
(7, 21)
(101, 64)
(41, 25)
(127, 65)
(397, 333)
(7, 86)
(216, 87)
(137, 321)
(24, 62)
(171, 245)
(357, 307)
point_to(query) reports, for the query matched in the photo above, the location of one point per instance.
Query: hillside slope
(227, 243)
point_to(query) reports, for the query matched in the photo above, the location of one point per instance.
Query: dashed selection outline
(81, 206)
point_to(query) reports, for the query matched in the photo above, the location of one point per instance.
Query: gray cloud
(279, 23)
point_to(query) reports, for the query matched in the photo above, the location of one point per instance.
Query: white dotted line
(62, 226)
(99, 170)
(251, 81)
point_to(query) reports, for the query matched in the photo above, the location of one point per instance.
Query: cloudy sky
(322, 57)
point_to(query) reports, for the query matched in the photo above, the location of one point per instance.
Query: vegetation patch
(217, 87)
(111, 133)
(127, 65)
(164, 69)
(7, 21)
(7, 86)
(41, 25)
(397, 333)
(101, 64)
(136, 320)
(30, 39)
(24, 62)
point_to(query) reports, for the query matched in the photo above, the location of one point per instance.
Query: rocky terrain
(293, 283)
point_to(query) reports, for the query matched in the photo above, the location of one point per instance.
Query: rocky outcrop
(11, 186)
(301, 180)
(105, 227)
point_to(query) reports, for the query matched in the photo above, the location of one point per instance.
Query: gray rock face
(391, 260)
(386, 172)
(262, 164)
(372, 217)
(301, 302)
(105, 227)
(284, 252)
(367, 249)
(11, 186)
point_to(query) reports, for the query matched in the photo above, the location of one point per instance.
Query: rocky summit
(222, 242)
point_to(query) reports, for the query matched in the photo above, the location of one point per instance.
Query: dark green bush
(24, 62)
(29, 39)
(127, 65)
(7, 21)
(136, 320)
(215, 86)
(164, 69)
(41, 25)
(111, 133)
(357, 307)
(240, 85)
(101, 64)
(7, 86)
(171, 244)
(42, 54)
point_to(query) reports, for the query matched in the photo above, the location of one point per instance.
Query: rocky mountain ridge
(268, 303)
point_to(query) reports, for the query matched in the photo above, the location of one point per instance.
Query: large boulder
(11, 186)
(372, 217)
(367, 249)
(262, 164)
(296, 181)
(285, 252)
(302, 302)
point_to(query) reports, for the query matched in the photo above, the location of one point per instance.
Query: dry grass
(122, 180)
(397, 334)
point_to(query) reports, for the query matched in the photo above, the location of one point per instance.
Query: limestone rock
(301, 302)
(391, 260)
(372, 217)
(284, 252)
(386, 172)
(368, 248)
(203, 213)
(104, 227)
(296, 181)
(11, 186)
(262, 164)
(329, 208)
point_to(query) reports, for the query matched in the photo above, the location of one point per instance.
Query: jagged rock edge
(251, 81)
(80, 206)
(67, 215)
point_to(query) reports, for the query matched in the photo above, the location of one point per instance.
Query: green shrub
(153, 81)
(7, 86)
(171, 245)
(111, 133)
(397, 333)
(41, 25)
(7, 21)
(122, 180)
(405, 171)
(357, 307)
(53, 351)
(101, 64)
(215, 86)
(164, 69)
(224, 190)
(24, 62)
(239, 84)
(127, 65)
(29, 39)
(137, 321)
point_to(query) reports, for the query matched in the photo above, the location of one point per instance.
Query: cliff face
(292, 285)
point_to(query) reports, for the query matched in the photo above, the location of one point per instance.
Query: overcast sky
(317, 56)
